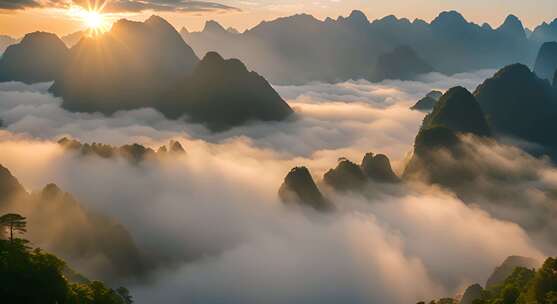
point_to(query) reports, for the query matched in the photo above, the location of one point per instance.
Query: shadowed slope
(39, 57)
(299, 188)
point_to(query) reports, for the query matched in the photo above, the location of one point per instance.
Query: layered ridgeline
(510, 115)
(147, 64)
(294, 49)
(39, 57)
(520, 280)
(57, 222)
(514, 105)
(299, 188)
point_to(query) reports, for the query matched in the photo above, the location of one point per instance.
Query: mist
(212, 219)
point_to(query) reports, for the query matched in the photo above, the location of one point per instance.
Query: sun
(93, 20)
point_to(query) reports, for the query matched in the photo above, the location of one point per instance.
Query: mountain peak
(39, 57)
(176, 147)
(213, 26)
(51, 191)
(508, 266)
(39, 35)
(212, 57)
(358, 16)
(449, 18)
(9, 185)
(298, 187)
(512, 25)
(156, 20)
(378, 168)
(459, 111)
(346, 176)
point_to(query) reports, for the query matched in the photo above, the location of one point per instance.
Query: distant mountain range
(301, 48)
(147, 64)
(144, 64)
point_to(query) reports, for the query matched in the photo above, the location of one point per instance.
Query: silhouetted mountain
(293, 49)
(223, 93)
(521, 105)
(39, 57)
(378, 168)
(59, 223)
(346, 176)
(6, 41)
(456, 112)
(10, 187)
(459, 111)
(176, 147)
(133, 152)
(506, 269)
(546, 62)
(513, 27)
(214, 27)
(401, 63)
(299, 188)
(427, 103)
(472, 293)
(130, 72)
(545, 32)
(72, 39)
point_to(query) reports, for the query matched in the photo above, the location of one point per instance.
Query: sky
(18, 17)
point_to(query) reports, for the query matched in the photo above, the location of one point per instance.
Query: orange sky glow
(58, 20)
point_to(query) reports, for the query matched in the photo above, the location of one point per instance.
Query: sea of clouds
(213, 217)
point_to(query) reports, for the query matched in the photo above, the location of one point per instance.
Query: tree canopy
(33, 276)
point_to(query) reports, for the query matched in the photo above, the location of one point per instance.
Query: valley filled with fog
(209, 224)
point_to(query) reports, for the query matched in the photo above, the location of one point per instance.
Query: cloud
(503, 180)
(112, 6)
(213, 217)
(18, 4)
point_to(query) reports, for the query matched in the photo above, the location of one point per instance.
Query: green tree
(14, 223)
(125, 294)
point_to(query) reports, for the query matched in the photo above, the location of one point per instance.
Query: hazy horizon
(54, 17)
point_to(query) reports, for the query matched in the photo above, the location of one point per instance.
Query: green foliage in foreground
(29, 276)
(525, 286)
